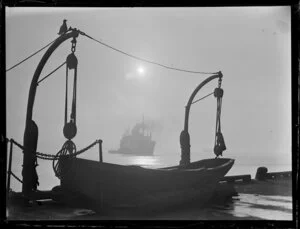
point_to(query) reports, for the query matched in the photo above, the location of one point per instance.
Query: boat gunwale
(177, 168)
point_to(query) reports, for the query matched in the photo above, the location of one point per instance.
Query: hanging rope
(17, 178)
(70, 129)
(219, 139)
(66, 96)
(52, 72)
(202, 98)
(142, 59)
(30, 56)
(73, 112)
(69, 148)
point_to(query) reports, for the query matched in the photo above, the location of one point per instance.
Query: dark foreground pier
(45, 208)
(264, 183)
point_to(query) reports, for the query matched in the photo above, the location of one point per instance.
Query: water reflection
(145, 161)
(261, 206)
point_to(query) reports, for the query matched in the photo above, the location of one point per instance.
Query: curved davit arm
(37, 73)
(30, 178)
(184, 135)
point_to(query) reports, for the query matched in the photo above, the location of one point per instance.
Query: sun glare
(138, 74)
(141, 71)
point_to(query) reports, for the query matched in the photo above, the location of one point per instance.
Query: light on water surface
(263, 207)
(145, 161)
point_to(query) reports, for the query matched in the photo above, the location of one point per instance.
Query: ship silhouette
(137, 142)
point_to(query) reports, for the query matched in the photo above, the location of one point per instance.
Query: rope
(51, 72)
(202, 98)
(66, 97)
(30, 56)
(86, 148)
(220, 105)
(144, 60)
(17, 144)
(115, 49)
(73, 111)
(17, 178)
(219, 139)
(44, 156)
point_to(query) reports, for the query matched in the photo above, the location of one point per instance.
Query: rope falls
(219, 145)
(70, 128)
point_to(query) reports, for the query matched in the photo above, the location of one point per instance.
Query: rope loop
(68, 149)
(220, 144)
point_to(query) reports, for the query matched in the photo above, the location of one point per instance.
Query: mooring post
(100, 150)
(261, 173)
(9, 167)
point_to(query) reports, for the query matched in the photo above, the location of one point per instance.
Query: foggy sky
(250, 45)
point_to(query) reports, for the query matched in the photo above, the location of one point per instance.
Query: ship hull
(140, 148)
(105, 185)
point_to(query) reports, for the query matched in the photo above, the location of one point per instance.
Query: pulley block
(70, 130)
(72, 61)
(218, 93)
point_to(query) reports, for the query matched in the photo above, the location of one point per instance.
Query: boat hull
(105, 184)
